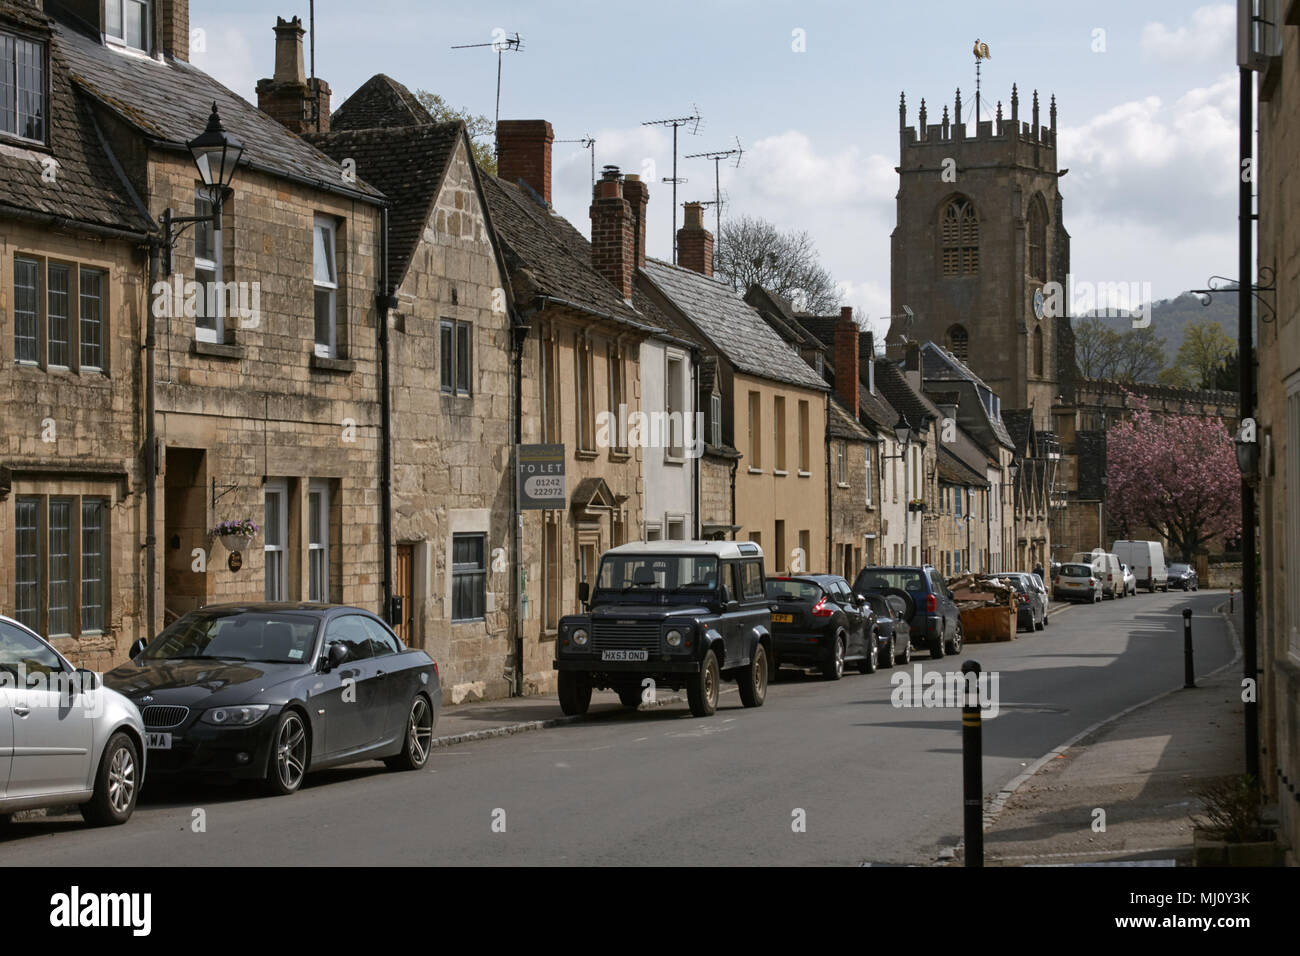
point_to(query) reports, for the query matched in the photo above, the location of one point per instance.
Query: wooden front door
(404, 588)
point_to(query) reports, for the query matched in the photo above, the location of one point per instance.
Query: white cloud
(1212, 32)
(228, 58)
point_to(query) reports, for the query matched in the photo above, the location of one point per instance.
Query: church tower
(978, 236)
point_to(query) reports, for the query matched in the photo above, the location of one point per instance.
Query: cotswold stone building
(451, 343)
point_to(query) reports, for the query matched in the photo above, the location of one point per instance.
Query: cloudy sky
(1147, 99)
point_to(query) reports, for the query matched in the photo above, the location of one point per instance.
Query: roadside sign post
(972, 759)
(1189, 671)
(541, 477)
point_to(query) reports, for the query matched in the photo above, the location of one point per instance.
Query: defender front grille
(607, 636)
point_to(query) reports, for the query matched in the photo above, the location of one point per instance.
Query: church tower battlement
(978, 234)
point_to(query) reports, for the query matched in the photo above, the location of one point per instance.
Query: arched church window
(960, 238)
(1038, 350)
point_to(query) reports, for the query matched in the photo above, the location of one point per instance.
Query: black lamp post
(903, 435)
(1012, 470)
(216, 154)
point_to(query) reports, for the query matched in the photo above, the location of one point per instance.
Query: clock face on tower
(1038, 303)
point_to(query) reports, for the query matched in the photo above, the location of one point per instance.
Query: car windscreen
(271, 637)
(1076, 571)
(1179, 568)
(793, 590)
(905, 579)
(1015, 580)
(629, 573)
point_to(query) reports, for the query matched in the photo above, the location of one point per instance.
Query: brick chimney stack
(694, 242)
(846, 360)
(524, 152)
(174, 27)
(637, 194)
(613, 233)
(289, 96)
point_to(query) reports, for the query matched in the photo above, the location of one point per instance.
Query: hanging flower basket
(236, 535)
(916, 504)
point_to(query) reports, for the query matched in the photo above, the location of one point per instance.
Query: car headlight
(244, 715)
(580, 637)
(674, 638)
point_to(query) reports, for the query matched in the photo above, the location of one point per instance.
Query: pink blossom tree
(1174, 473)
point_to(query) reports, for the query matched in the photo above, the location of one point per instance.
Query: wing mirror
(136, 648)
(336, 656)
(87, 680)
(584, 592)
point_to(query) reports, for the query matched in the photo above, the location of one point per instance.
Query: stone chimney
(613, 232)
(846, 360)
(174, 28)
(637, 194)
(300, 104)
(912, 366)
(524, 152)
(694, 242)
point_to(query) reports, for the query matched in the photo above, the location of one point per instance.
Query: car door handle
(21, 710)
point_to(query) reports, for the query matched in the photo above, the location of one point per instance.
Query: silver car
(64, 737)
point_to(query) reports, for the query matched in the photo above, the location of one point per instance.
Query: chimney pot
(300, 105)
(847, 361)
(613, 232)
(694, 242)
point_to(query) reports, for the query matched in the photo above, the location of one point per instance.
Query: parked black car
(274, 691)
(672, 614)
(891, 609)
(935, 622)
(1183, 576)
(817, 621)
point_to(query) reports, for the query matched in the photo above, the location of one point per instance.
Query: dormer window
(22, 88)
(127, 22)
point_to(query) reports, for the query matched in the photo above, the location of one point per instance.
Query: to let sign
(541, 477)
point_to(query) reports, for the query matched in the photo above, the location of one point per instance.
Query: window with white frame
(841, 463)
(325, 279)
(275, 530)
(209, 322)
(318, 541)
(585, 400)
(23, 104)
(614, 359)
(715, 418)
(869, 451)
(675, 406)
(127, 22)
(676, 529)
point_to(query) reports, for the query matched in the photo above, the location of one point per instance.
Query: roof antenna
(501, 42)
(315, 91)
(718, 156)
(694, 122)
(587, 143)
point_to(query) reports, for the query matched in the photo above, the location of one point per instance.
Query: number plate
(782, 618)
(158, 741)
(624, 655)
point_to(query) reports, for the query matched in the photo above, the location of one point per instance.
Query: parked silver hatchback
(64, 737)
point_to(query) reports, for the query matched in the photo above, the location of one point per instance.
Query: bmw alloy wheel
(419, 731)
(291, 752)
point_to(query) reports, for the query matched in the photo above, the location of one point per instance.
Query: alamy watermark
(678, 432)
(1100, 299)
(945, 689)
(185, 297)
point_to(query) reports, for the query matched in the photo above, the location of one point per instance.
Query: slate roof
(821, 327)
(780, 314)
(953, 469)
(940, 365)
(168, 101)
(380, 101)
(891, 383)
(408, 163)
(87, 188)
(876, 408)
(735, 328)
(841, 424)
(546, 256)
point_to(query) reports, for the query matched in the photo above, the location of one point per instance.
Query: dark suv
(935, 619)
(669, 614)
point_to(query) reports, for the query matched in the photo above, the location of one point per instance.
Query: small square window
(468, 577)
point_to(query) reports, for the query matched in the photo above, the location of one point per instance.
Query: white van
(1107, 568)
(1147, 559)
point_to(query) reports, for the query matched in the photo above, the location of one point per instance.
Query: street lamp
(216, 154)
(1247, 455)
(903, 435)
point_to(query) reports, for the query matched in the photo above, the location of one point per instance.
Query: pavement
(1123, 792)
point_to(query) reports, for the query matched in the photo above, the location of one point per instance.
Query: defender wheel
(630, 697)
(869, 663)
(575, 693)
(753, 679)
(833, 669)
(702, 691)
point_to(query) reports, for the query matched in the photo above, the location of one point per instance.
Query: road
(875, 783)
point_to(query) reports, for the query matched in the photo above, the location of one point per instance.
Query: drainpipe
(830, 537)
(150, 453)
(385, 301)
(695, 466)
(518, 337)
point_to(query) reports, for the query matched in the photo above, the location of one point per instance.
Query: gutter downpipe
(150, 451)
(385, 301)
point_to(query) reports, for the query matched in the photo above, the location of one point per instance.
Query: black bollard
(1189, 672)
(972, 764)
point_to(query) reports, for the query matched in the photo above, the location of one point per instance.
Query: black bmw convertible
(273, 691)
